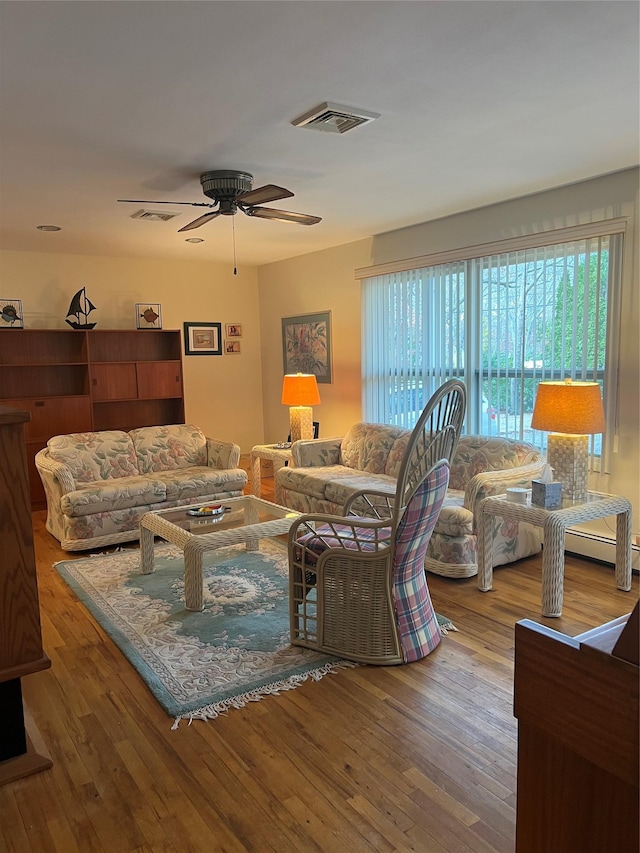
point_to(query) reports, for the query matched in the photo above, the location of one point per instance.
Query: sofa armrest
(222, 455)
(491, 483)
(316, 452)
(53, 474)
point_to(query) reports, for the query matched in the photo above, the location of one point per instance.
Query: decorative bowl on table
(207, 511)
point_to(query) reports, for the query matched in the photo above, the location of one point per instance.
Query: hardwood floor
(411, 758)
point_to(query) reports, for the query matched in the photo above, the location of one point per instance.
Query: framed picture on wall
(306, 345)
(148, 315)
(11, 316)
(232, 347)
(234, 330)
(203, 338)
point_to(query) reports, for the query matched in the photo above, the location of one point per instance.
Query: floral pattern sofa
(99, 484)
(326, 472)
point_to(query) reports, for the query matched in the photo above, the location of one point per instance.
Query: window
(503, 319)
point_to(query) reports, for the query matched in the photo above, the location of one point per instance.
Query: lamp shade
(300, 389)
(569, 407)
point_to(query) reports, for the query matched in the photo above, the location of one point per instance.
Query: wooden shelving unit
(77, 380)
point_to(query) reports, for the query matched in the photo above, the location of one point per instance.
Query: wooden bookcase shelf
(82, 380)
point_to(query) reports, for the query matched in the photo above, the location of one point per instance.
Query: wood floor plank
(416, 758)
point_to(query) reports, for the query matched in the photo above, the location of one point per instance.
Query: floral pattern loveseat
(326, 472)
(99, 484)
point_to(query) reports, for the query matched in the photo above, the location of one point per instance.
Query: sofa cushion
(199, 481)
(367, 446)
(120, 493)
(168, 448)
(476, 454)
(310, 481)
(339, 489)
(95, 456)
(454, 519)
(396, 454)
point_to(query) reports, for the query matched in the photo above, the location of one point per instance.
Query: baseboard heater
(598, 547)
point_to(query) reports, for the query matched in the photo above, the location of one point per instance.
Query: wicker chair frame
(346, 572)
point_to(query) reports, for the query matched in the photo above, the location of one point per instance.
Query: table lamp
(571, 411)
(300, 393)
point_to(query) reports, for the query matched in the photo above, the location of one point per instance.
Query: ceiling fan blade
(201, 220)
(283, 215)
(261, 195)
(148, 201)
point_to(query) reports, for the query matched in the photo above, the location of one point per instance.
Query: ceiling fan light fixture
(334, 118)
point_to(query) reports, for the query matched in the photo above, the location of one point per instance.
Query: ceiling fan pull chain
(233, 228)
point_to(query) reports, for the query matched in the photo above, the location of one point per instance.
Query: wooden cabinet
(21, 652)
(576, 700)
(82, 380)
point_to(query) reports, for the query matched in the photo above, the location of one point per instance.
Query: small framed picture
(11, 316)
(234, 330)
(148, 315)
(232, 347)
(203, 338)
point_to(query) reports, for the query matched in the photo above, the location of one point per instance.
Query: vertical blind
(502, 321)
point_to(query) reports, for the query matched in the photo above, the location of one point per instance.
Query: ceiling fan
(232, 191)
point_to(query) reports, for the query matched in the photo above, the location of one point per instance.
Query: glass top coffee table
(248, 519)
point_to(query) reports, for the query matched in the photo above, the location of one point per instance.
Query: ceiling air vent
(154, 215)
(334, 118)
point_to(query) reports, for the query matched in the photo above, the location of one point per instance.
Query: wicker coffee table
(249, 519)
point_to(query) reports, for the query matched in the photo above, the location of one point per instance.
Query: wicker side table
(278, 456)
(555, 522)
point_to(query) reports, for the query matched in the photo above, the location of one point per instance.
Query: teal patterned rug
(199, 665)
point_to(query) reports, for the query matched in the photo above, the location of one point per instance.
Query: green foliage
(580, 337)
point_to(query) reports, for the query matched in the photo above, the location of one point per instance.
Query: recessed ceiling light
(194, 240)
(48, 228)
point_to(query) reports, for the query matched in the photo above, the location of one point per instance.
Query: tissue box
(546, 495)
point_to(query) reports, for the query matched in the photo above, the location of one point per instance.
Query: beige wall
(321, 281)
(223, 394)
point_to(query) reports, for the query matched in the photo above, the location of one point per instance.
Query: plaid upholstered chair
(357, 585)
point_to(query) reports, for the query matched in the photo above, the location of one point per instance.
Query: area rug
(199, 665)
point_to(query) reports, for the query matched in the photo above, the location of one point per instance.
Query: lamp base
(568, 455)
(301, 422)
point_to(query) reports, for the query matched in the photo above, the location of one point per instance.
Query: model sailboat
(79, 309)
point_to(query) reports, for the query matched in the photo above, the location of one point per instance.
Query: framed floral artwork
(203, 338)
(11, 316)
(148, 315)
(306, 345)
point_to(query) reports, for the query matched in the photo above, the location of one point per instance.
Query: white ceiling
(479, 102)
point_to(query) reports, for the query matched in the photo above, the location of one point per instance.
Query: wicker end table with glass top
(278, 456)
(247, 520)
(555, 522)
